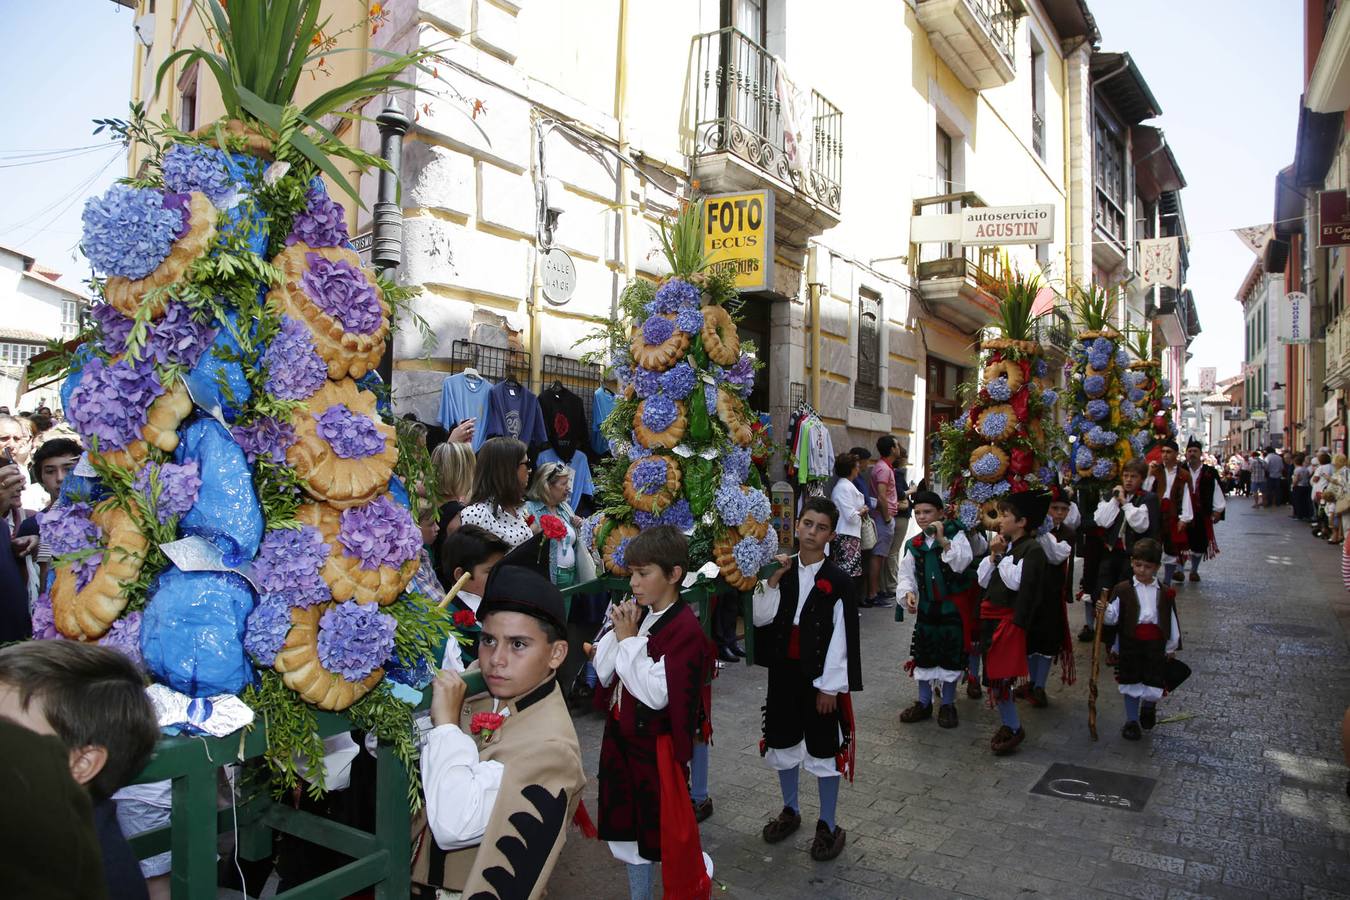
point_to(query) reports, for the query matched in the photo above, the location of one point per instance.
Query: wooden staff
(454, 591)
(1096, 664)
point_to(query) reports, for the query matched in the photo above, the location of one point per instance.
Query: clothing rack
(578, 377)
(494, 363)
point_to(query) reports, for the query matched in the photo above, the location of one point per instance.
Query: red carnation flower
(465, 618)
(1019, 403)
(1019, 486)
(1021, 461)
(918, 540)
(824, 585)
(1025, 366)
(553, 527)
(529, 520)
(485, 723)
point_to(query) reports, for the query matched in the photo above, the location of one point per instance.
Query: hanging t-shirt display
(514, 412)
(465, 396)
(602, 404)
(564, 421)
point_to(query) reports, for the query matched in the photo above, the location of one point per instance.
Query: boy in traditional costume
(1015, 582)
(935, 568)
(1171, 483)
(1142, 614)
(1128, 514)
(502, 772)
(1048, 636)
(1207, 502)
(657, 660)
(471, 551)
(807, 620)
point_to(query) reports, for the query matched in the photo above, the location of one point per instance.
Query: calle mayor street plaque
(1113, 790)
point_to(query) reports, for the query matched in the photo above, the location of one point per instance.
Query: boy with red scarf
(806, 616)
(1015, 580)
(1207, 502)
(661, 658)
(1127, 515)
(1172, 484)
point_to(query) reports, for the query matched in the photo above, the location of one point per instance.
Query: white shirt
(1056, 551)
(957, 556)
(510, 527)
(1135, 516)
(640, 675)
(1148, 611)
(1075, 516)
(834, 678)
(460, 788)
(851, 504)
(1009, 571)
(1217, 501)
(1187, 511)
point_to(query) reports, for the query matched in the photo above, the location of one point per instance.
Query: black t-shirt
(564, 421)
(121, 871)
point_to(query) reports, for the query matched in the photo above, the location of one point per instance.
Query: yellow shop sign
(738, 235)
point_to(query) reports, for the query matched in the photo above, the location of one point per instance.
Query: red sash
(1007, 653)
(683, 875)
(1148, 632)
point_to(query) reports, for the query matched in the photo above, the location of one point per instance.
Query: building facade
(34, 309)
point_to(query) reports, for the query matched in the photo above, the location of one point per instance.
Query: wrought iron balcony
(975, 38)
(1038, 134)
(954, 277)
(745, 105)
(1052, 331)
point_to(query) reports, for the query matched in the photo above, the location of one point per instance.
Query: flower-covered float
(682, 428)
(1102, 411)
(1152, 395)
(1000, 444)
(241, 523)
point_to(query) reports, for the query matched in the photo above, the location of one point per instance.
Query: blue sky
(1227, 74)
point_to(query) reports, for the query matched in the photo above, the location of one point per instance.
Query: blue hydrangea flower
(678, 515)
(355, 639)
(1103, 468)
(1097, 410)
(649, 475)
(659, 413)
(678, 381)
(1098, 360)
(1165, 384)
(736, 464)
(657, 330)
(1122, 357)
(1131, 378)
(732, 505)
(710, 397)
(968, 513)
(1135, 395)
(621, 553)
(689, 321)
(1076, 424)
(993, 424)
(963, 420)
(757, 505)
(646, 382)
(1039, 368)
(1049, 396)
(1166, 402)
(748, 554)
(676, 294)
(979, 491)
(128, 231)
(1000, 488)
(266, 628)
(998, 389)
(986, 465)
(1082, 456)
(352, 435)
(193, 167)
(1094, 385)
(1046, 474)
(635, 450)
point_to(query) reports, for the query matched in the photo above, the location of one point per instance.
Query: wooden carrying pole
(1096, 664)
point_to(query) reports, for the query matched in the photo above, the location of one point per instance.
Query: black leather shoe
(1087, 634)
(725, 654)
(787, 821)
(1131, 731)
(947, 715)
(827, 844)
(703, 810)
(738, 649)
(1148, 717)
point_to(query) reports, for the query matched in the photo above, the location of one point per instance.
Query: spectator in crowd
(1300, 487)
(1260, 497)
(548, 494)
(1275, 477)
(846, 548)
(501, 475)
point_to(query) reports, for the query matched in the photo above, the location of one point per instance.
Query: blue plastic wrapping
(226, 512)
(399, 492)
(82, 355)
(371, 381)
(192, 633)
(209, 380)
(245, 216)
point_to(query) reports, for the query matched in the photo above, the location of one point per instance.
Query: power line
(5, 164)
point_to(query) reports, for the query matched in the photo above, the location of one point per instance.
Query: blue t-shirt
(465, 397)
(601, 407)
(581, 473)
(512, 412)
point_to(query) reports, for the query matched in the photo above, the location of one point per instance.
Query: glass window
(1110, 179)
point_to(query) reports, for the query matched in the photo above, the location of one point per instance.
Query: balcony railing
(939, 260)
(977, 39)
(744, 103)
(1038, 134)
(1053, 331)
(999, 17)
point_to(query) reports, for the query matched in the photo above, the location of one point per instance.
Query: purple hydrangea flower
(998, 389)
(350, 434)
(322, 224)
(710, 397)
(69, 529)
(267, 438)
(125, 636)
(1136, 395)
(657, 330)
(1099, 437)
(736, 464)
(1165, 384)
(381, 533)
(690, 321)
(1049, 397)
(636, 451)
(1103, 468)
(649, 475)
(128, 231)
(748, 553)
(288, 566)
(741, 376)
(678, 381)
(294, 369)
(979, 491)
(732, 505)
(677, 515)
(986, 465)
(1097, 410)
(1166, 402)
(266, 629)
(355, 639)
(621, 553)
(993, 424)
(1094, 385)
(676, 294)
(342, 290)
(178, 486)
(1140, 443)
(44, 620)
(114, 327)
(177, 338)
(1040, 368)
(659, 413)
(646, 382)
(1122, 357)
(190, 167)
(112, 401)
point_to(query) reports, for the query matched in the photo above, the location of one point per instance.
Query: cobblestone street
(1250, 787)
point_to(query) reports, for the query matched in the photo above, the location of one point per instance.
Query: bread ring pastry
(665, 496)
(1008, 368)
(348, 353)
(160, 430)
(989, 515)
(237, 135)
(721, 341)
(994, 475)
(345, 575)
(327, 476)
(731, 410)
(659, 357)
(298, 663)
(987, 417)
(88, 614)
(125, 295)
(613, 541)
(753, 528)
(724, 553)
(667, 439)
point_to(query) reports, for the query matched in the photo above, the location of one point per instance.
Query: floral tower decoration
(1101, 414)
(1151, 396)
(1001, 442)
(242, 523)
(683, 428)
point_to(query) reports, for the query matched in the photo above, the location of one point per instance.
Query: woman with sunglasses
(549, 490)
(498, 500)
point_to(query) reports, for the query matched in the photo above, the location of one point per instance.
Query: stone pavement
(1250, 797)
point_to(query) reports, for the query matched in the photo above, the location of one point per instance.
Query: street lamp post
(386, 251)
